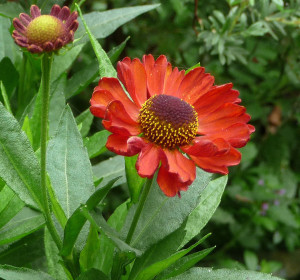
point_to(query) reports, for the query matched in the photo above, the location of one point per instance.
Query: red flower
(45, 33)
(173, 120)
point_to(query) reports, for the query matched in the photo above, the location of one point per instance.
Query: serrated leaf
(19, 167)
(106, 68)
(24, 223)
(20, 273)
(209, 201)
(159, 210)
(68, 165)
(103, 24)
(77, 220)
(221, 274)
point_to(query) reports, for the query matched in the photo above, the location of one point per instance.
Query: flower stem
(139, 209)
(46, 70)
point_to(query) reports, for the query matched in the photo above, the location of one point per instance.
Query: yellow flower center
(44, 29)
(168, 121)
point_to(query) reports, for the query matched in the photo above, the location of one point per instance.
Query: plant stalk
(46, 70)
(139, 209)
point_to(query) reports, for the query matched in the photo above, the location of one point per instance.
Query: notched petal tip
(55, 10)
(35, 11)
(26, 19)
(64, 13)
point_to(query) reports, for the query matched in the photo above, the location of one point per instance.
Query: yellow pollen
(168, 121)
(45, 28)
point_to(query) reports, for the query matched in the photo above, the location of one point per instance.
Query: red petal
(133, 76)
(173, 80)
(55, 10)
(117, 120)
(177, 163)
(155, 71)
(216, 97)
(237, 135)
(115, 89)
(148, 160)
(124, 145)
(195, 84)
(225, 116)
(219, 163)
(99, 101)
(206, 147)
(169, 182)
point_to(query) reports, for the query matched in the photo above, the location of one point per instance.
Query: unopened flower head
(45, 33)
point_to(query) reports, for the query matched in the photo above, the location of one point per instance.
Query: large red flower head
(174, 121)
(45, 33)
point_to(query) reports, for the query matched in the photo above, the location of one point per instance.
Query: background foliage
(253, 44)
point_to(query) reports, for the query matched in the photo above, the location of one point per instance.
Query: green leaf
(256, 29)
(209, 201)
(106, 68)
(96, 143)
(102, 24)
(251, 260)
(77, 220)
(54, 261)
(61, 63)
(84, 77)
(19, 167)
(24, 223)
(107, 247)
(159, 210)
(90, 255)
(184, 264)
(92, 274)
(5, 97)
(68, 165)
(221, 274)
(8, 75)
(134, 181)
(10, 205)
(10, 10)
(109, 169)
(85, 119)
(7, 46)
(151, 271)
(19, 273)
(57, 104)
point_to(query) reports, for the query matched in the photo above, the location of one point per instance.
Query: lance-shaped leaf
(221, 274)
(17, 273)
(68, 165)
(19, 167)
(77, 220)
(160, 211)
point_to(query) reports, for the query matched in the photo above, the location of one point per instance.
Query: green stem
(139, 209)
(46, 70)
